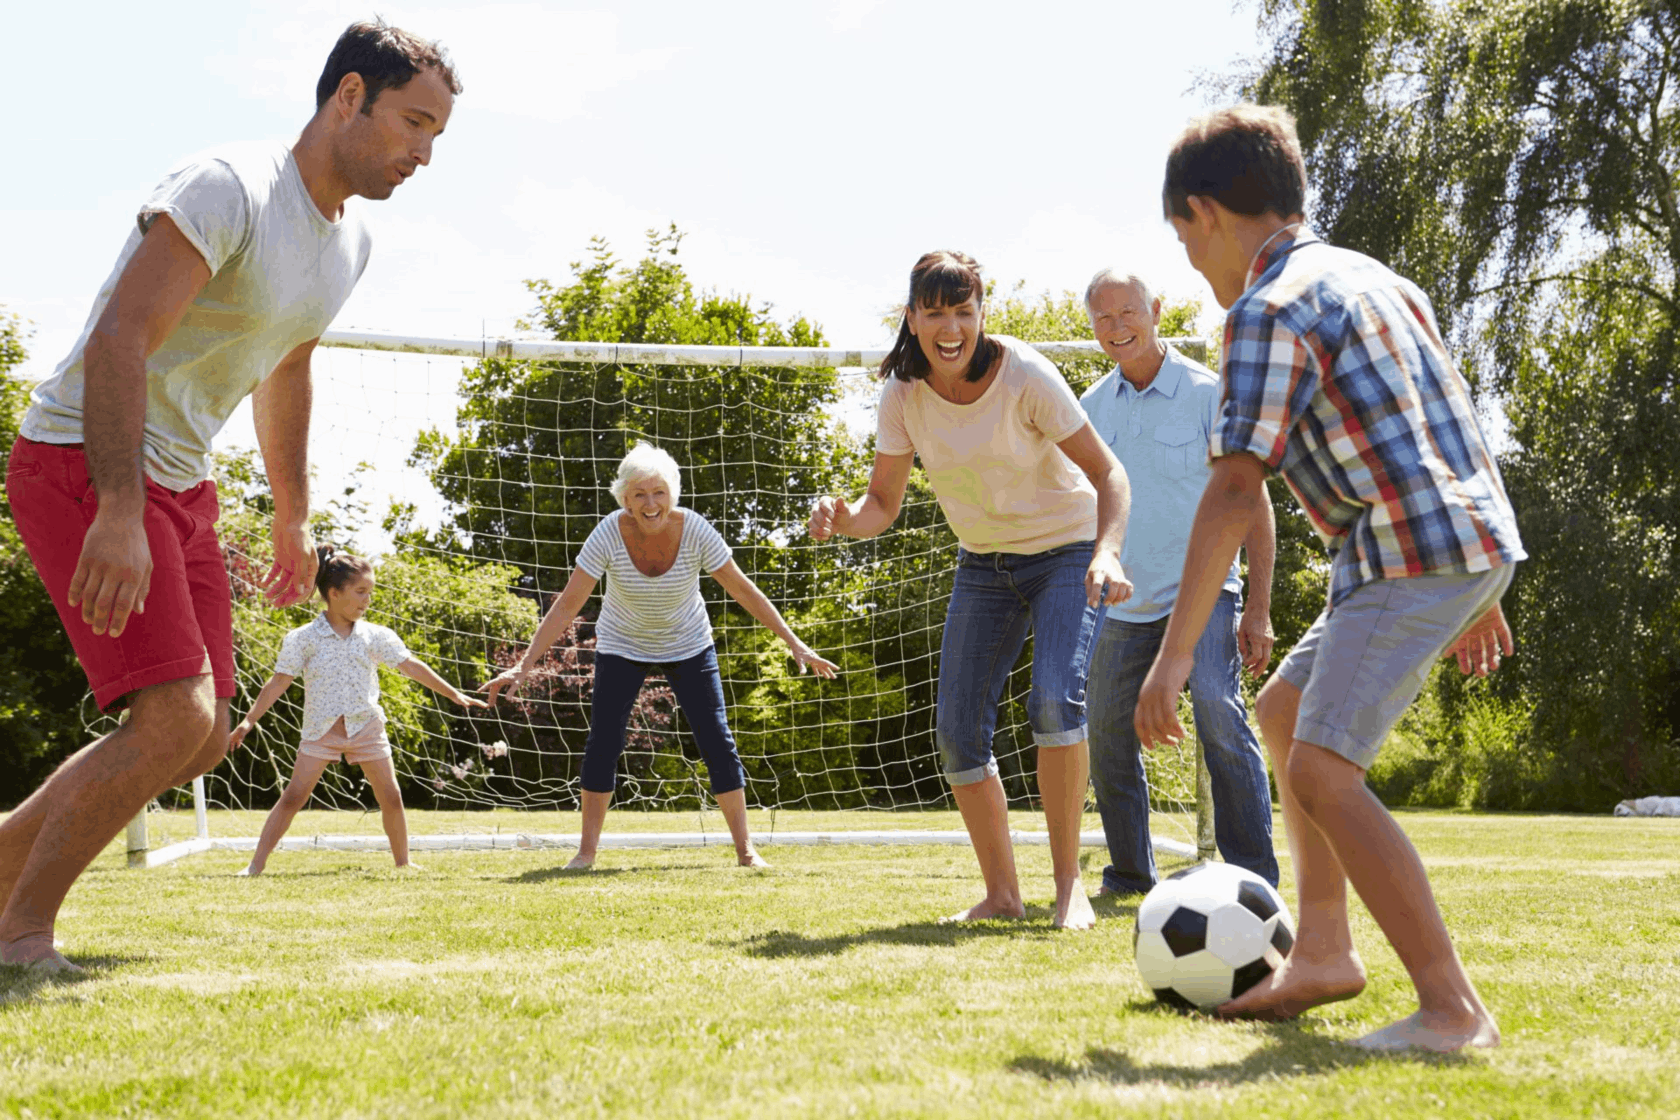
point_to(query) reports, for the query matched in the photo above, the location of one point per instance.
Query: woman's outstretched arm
(555, 623)
(745, 592)
(871, 514)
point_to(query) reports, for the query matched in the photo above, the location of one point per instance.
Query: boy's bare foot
(1434, 1033)
(1073, 909)
(989, 908)
(581, 862)
(37, 954)
(1297, 986)
(751, 859)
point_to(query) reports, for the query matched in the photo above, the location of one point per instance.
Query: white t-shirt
(339, 675)
(279, 272)
(1003, 483)
(653, 618)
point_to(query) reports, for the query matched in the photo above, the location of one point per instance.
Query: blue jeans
(699, 691)
(1242, 798)
(996, 598)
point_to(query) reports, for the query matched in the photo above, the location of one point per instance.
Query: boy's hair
(942, 278)
(1246, 158)
(337, 569)
(386, 57)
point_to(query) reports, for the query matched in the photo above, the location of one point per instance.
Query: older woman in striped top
(651, 553)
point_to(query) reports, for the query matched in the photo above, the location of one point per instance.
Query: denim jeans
(996, 598)
(1242, 799)
(699, 691)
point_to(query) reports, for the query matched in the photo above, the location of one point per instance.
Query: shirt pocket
(1177, 444)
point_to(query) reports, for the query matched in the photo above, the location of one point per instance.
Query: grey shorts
(1362, 663)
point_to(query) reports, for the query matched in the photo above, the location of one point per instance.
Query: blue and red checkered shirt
(1334, 374)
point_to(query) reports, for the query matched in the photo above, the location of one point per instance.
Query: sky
(809, 151)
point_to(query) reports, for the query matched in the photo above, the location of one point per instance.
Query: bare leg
(1064, 773)
(1323, 966)
(594, 817)
(734, 807)
(89, 801)
(1385, 869)
(985, 813)
(210, 754)
(292, 799)
(383, 777)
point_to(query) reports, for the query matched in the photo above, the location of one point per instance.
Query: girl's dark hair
(942, 278)
(337, 569)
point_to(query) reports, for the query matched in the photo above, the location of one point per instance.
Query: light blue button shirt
(1161, 437)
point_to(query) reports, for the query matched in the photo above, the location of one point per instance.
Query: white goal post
(1194, 842)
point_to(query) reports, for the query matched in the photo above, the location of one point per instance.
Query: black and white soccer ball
(1210, 933)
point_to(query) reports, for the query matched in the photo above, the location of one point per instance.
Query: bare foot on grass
(581, 862)
(1298, 986)
(38, 954)
(249, 871)
(409, 867)
(1073, 909)
(989, 908)
(1434, 1033)
(751, 858)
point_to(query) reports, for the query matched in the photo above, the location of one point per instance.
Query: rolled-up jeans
(1242, 799)
(996, 599)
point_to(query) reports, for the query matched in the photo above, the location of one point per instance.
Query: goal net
(471, 472)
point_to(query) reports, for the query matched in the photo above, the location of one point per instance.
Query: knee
(1315, 777)
(1276, 708)
(178, 718)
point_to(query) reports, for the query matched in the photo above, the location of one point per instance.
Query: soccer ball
(1210, 933)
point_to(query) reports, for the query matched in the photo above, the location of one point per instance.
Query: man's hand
(1155, 718)
(292, 578)
(1480, 648)
(826, 516)
(1254, 638)
(1105, 581)
(114, 574)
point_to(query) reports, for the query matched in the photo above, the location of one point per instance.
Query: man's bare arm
(280, 410)
(159, 283)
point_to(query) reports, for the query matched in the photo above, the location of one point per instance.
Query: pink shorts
(186, 629)
(367, 745)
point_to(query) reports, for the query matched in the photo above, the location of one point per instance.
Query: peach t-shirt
(1003, 483)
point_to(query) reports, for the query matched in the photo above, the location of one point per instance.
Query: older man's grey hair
(1110, 277)
(647, 461)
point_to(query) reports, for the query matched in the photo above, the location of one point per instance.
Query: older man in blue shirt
(1156, 410)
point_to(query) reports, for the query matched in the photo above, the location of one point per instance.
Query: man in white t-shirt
(239, 260)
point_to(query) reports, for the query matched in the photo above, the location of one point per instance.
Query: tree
(1520, 163)
(41, 683)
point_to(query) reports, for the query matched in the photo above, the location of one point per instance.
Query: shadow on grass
(545, 874)
(1291, 1051)
(778, 944)
(19, 983)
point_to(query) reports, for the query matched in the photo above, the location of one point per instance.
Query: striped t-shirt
(653, 618)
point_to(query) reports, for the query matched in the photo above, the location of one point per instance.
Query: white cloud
(849, 15)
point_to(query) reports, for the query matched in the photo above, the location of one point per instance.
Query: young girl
(336, 655)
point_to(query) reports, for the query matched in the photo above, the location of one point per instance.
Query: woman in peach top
(1038, 503)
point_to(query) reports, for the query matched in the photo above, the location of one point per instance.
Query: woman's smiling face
(948, 334)
(648, 503)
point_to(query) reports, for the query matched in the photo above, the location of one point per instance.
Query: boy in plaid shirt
(1335, 375)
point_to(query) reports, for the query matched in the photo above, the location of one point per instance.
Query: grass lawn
(670, 984)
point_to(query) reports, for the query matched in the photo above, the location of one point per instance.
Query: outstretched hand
(466, 701)
(236, 737)
(509, 681)
(1479, 648)
(825, 518)
(809, 661)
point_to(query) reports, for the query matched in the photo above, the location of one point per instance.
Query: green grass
(670, 984)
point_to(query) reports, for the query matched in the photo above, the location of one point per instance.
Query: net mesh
(472, 484)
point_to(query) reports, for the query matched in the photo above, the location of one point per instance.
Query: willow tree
(1519, 161)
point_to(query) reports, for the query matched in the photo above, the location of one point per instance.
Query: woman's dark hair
(337, 569)
(1246, 158)
(386, 57)
(942, 278)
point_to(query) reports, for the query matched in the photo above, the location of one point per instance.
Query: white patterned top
(653, 618)
(339, 674)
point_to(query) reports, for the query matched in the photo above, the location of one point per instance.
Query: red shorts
(186, 629)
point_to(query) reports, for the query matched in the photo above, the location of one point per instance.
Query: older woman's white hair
(647, 461)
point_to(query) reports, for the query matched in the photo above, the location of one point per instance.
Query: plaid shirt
(1336, 376)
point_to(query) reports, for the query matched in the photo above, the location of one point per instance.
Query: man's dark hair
(1246, 158)
(386, 57)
